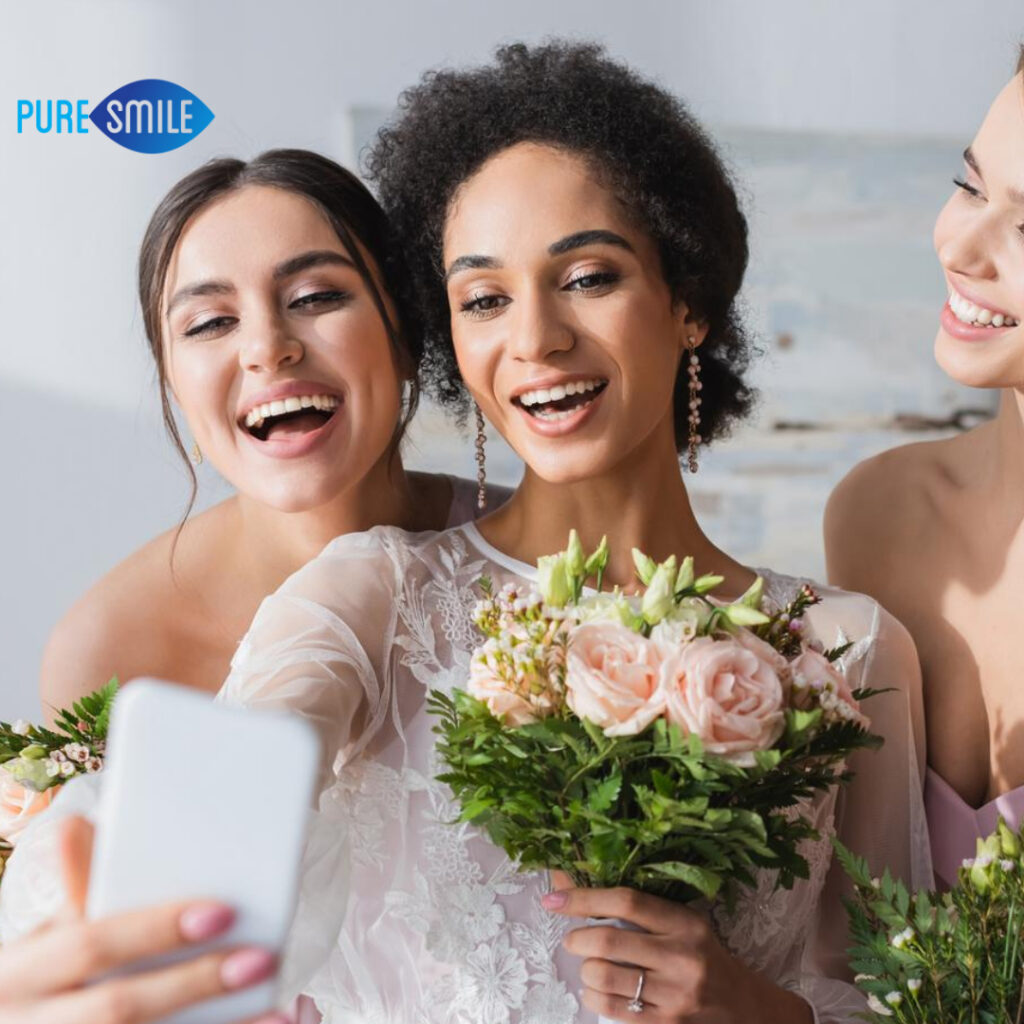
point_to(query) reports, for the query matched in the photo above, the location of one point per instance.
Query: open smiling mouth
(561, 401)
(290, 417)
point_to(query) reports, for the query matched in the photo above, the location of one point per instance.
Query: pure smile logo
(151, 115)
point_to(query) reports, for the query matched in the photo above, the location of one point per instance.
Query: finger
(561, 880)
(604, 942)
(156, 994)
(656, 915)
(75, 844)
(620, 980)
(617, 1008)
(69, 954)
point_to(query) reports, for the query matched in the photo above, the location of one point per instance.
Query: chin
(978, 365)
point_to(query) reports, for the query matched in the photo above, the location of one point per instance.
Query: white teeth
(967, 312)
(543, 395)
(256, 416)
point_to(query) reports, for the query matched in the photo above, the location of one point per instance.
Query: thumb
(75, 842)
(561, 880)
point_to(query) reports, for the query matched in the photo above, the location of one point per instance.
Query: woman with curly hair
(576, 250)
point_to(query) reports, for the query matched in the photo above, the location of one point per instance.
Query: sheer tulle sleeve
(319, 647)
(880, 815)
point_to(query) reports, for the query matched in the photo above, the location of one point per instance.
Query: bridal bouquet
(661, 741)
(35, 761)
(955, 957)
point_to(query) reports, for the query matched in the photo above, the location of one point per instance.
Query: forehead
(248, 231)
(526, 197)
(999, 144)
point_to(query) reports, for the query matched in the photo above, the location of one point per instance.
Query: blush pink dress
(954, 826)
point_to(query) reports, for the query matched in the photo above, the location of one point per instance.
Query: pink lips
(966, 332)
(559, 428)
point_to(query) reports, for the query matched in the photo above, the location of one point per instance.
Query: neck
(1005, 470)
(288, 540)
(642, 503)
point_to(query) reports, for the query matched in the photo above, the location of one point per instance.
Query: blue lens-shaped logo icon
(151, 115)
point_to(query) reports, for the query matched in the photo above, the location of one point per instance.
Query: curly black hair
(641, 141)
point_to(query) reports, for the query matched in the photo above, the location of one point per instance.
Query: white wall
(85, 473)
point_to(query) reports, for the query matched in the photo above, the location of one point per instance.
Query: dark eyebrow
(294, 265)
(199, 288)
(1015, 194)
(314, 258)
(470, 263)
(596, 236)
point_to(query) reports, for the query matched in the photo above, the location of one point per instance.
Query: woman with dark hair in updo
(276, 311)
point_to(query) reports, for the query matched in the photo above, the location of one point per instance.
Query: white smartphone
(203, 801)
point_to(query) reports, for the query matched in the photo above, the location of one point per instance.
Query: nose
(968, 249)
(537, 330)
(268, 345)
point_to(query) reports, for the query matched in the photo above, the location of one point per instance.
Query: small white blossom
(1007, 865)
(52, 767)
(67, 769)
(77, 752)
(914, 984)
(894, 998)
(21, 727)
(93, 765)
(900, 939)
(875, 1004)
(59, 756)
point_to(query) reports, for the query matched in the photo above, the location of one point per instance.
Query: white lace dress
(406, 918)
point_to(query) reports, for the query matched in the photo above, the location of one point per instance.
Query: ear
(692, 330)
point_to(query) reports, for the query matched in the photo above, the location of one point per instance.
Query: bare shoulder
(127, 624)
(878, 507)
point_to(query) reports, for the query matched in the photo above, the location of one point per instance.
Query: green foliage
(652, 811)
(85, 723)
(955, 957)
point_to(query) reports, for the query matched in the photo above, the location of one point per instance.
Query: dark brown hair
(343, 200)
(642, 142)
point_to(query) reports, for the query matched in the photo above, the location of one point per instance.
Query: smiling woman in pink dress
(935, 531)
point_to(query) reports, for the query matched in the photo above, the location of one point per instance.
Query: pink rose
(726, 692)
(19, 804)
(612, 678)
(487, 685)
(817, 681)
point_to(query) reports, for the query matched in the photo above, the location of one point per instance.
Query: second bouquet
(664, 740)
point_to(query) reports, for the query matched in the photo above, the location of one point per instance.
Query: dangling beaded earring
(481, 459)
(197, 455)
(695, 402)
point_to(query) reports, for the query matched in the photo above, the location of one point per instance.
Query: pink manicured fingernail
(246, 967)
(203, 922)
(554, 900)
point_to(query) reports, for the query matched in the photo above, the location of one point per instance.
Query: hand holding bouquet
(660, 741)
(35, 761)
(957, 957)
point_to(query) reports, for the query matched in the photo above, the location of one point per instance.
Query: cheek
(945, 225)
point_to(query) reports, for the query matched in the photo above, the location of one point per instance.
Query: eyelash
(969, 189)
(975, 194)
(304, 302)
(474, 307)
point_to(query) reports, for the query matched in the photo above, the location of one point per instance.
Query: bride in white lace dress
(575, 283)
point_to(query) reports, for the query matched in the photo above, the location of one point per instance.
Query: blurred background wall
(844, 123)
